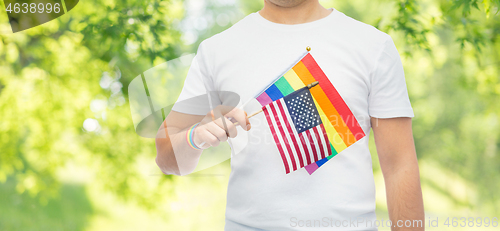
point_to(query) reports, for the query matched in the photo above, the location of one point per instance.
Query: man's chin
(286, 3)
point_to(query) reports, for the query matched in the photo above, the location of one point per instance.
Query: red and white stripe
(296, 150)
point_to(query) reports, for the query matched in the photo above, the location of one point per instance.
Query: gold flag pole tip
(312, 84)
(308, 48)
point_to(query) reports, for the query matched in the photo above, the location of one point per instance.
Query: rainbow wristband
(189, 137)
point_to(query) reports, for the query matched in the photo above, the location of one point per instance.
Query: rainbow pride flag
(340, 124)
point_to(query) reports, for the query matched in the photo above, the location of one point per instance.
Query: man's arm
(398, 160)
(170, 134)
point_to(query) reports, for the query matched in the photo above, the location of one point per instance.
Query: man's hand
(175, 156)
(398, 160)
(217, 126)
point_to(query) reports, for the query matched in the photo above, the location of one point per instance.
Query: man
(363, 65)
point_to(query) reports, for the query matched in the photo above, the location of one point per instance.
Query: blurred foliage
(56, 76)
(58, 214)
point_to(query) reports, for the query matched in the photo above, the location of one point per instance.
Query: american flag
(297, 130)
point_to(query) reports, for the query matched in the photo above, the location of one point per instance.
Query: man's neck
(307, 11)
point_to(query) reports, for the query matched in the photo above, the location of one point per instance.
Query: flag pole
(309, 86)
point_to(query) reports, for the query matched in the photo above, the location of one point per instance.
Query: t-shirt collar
(308, 25)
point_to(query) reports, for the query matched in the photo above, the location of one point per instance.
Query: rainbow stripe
(341, 125)
(189, 137)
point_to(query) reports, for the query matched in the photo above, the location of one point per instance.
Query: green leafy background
(56, 175)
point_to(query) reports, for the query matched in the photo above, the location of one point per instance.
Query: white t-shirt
(363, 65)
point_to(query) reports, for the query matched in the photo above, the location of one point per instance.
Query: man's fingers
(241, 117)
(201, 135)
(228, 126)
(248, 121)
(207, 139)
(217, 131)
